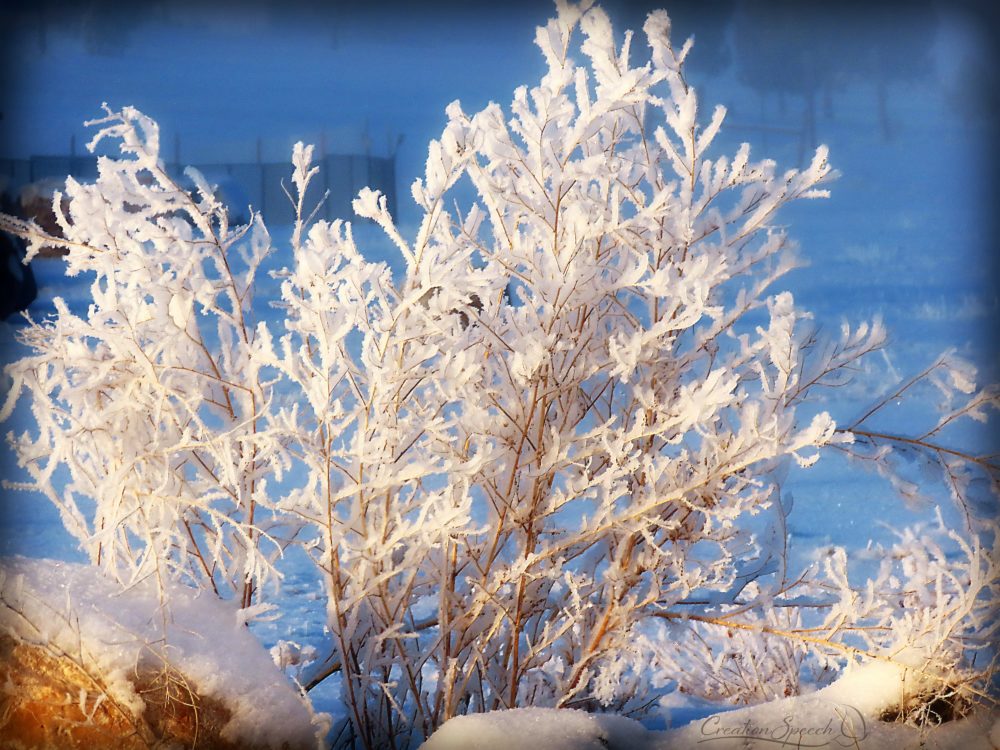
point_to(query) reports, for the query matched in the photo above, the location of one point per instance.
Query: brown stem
(871, 435)
(800, 635)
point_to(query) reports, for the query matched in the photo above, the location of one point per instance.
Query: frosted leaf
(301, 161)
(180, 309)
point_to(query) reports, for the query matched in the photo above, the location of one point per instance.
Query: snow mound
(72, 610)
(844, 714)
(538, 728)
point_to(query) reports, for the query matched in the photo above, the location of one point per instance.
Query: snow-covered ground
(906, 235)
(832, 717)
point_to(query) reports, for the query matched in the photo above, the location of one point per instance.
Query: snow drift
(844, 714)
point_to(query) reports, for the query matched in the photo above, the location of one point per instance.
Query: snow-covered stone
(71, 639)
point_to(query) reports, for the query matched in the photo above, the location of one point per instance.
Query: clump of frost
(74, 610)
(287, 654)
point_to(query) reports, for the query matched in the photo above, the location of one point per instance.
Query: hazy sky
(222, 74)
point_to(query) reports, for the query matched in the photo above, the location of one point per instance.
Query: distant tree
(811, 51)
(106, 27)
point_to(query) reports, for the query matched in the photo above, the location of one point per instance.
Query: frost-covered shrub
(152, 402)
(527, 468)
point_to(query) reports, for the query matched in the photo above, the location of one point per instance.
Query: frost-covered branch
(150, 401)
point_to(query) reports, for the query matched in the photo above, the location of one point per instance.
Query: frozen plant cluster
(153, 402)
(526, 468)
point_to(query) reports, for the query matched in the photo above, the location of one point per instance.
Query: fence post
(263, 187)
(326, 175)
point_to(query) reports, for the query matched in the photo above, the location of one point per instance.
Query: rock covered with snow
(125, 649)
